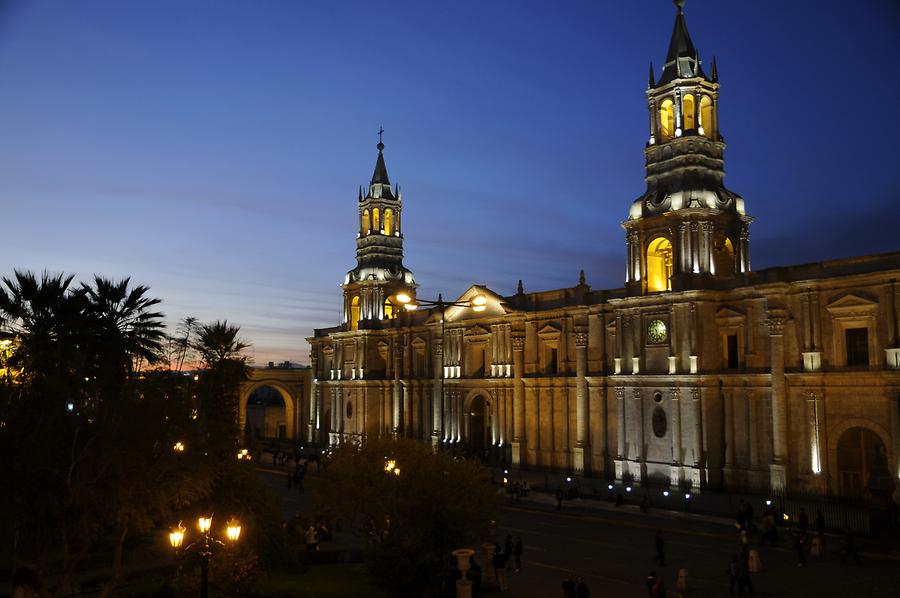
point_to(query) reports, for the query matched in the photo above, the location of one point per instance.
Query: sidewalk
(713, 509)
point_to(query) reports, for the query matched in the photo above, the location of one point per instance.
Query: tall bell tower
(687, 230)
(371, 289)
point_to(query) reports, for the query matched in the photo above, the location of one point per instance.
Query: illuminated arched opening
(366, 225)
(864, 465)
(667, 119)
(388, 222)
(687, 104)
(354, 313)
(376, 220)
(266, 417)
(723, 255)
(706, 117)
(389, 311)
(659, 265)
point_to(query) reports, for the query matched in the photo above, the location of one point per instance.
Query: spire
(682, 61)
(651, 82)
(520, 289)
(360, 193)
(714, 77)
(380, 176)
(581, 279)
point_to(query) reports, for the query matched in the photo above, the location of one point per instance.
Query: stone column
(778, 468)
(894, 405)
(812, 424)
(754, 431)
(314, 411)
(697, 441)
(518, 345)
(406, 391)
(620, 433)
(745, 249)
(397, 390)
(638, 428)
(675, 476)
(581, 420)
(437, 389)
(728, 399)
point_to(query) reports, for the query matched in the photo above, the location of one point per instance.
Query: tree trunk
(118, 550)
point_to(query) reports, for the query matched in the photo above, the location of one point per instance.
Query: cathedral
(698, 373)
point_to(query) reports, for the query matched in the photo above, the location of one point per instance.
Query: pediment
(549, 331)
(382, 346)
(852, 302)
(493, 307)
(477, 331)
(418, 342)
(728, 314)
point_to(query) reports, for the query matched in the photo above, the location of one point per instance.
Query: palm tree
(128, 328)
(225, 367)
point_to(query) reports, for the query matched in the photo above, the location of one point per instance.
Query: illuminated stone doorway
(267, 414)
(863, 465)
(478, 425)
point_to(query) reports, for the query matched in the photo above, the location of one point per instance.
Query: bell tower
(687, 230)
(371, 289)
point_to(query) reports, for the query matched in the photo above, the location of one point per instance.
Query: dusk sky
(212, 150)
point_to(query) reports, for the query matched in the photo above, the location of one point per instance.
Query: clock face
(657, 332)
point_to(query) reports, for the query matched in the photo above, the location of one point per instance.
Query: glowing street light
(205, 544)
(178, 447)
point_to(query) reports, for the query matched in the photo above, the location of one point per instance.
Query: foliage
(224, 368)
(411, 521)
(90, 435)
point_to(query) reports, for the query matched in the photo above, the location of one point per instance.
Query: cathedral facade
(697, 373)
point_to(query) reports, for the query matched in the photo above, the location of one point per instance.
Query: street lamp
(478, 303)
(205, 544)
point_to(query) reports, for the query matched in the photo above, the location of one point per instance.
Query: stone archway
(477, 420)
(861, 460)
(291, 402)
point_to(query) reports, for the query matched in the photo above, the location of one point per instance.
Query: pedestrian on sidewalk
(800, 547)
(312, 538)
(732, 572)
(499, 562)
(740, 518)
(559, 498)
(743, 576)
(518, 548)
(660, 549)
(849, 547)
(651, 582)
(581, 588)
(568, 588)
(659, 588)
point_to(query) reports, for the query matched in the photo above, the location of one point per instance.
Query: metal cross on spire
(380, 133)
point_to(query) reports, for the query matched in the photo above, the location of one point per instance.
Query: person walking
(743, 576)
(500, 568)
(651, 582)
(849, 547)
(581, 588)
(800, 547)
(660, 549)
(312, 538)
(517, 552)
(568, 588)
(559, 498)
(732, 574)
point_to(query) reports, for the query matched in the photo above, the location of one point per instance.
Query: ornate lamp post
(205, 544)
(478, 303)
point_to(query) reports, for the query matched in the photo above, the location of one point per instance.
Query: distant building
(698, 372)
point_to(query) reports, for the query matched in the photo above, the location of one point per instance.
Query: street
(612, 549)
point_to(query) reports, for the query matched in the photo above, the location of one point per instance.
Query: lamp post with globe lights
(478, 303)
(205, 544)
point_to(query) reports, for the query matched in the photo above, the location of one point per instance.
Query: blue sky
(213, 149)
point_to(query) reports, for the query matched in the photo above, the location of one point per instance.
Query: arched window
(366, 226)
(687, 104)
(667, 119)
(723, 255)
(706, 117)
(389, 312)
(376, 221)
(388, 222)
(354, 313)
(659, 265)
